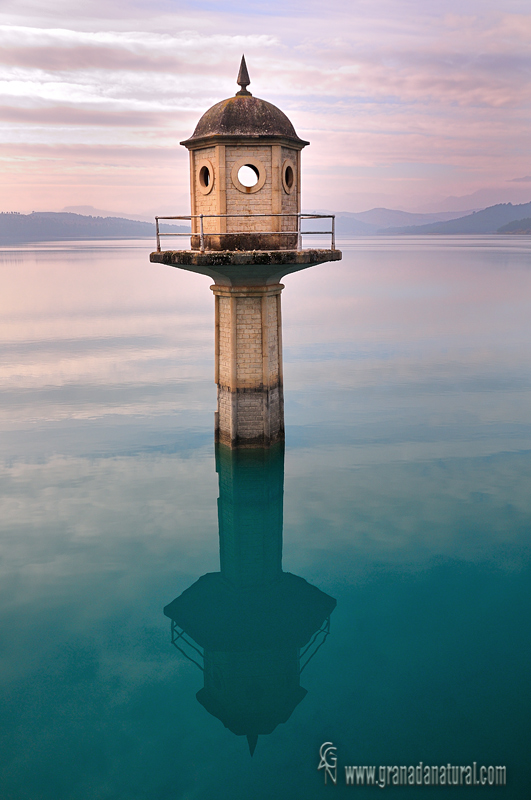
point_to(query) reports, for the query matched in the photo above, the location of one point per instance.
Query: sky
(421, 106)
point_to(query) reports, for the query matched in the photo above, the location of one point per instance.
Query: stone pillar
(249, 365)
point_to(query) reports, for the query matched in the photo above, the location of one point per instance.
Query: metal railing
(202, 235)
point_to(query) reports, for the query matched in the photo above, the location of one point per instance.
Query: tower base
(250, 417)
(248, 335)
(249, 365)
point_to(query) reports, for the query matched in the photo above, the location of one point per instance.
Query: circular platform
(242, 267)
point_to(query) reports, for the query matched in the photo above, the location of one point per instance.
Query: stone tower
(246, 237)
(245, 135)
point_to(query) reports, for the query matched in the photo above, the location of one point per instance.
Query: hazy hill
(518, 226)
(55, 226)
(487, 221)
(387, 217)
(91, 211)
(516, 192)
(47, 226)
(348, 225)
(166, 209)
(368, 223)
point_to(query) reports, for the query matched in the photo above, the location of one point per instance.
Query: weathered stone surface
(249, 365)
(246, 242)
(245, 268)
(248, 228)
(243, 115)
(250, 214)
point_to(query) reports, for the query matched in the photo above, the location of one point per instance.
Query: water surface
(406, 500)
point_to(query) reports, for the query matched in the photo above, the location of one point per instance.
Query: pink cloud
(419, 103)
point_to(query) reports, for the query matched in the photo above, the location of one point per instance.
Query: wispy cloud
(372, 87)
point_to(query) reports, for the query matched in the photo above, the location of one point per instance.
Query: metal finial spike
(243, 79)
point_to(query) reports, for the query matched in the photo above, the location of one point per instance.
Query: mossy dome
(244, 116)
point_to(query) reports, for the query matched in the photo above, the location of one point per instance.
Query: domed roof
(244, 115)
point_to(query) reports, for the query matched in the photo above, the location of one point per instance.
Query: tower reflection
(250, 627)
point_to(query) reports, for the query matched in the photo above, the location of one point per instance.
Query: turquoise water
(401, 510)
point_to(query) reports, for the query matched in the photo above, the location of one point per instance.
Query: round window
(248, 175)
(205, 176)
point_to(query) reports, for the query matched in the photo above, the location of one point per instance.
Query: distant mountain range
(517, 190)
(91, 211)
(518, 226)
(48, 226)
(489, 220)
(385, 221)
(367, 223)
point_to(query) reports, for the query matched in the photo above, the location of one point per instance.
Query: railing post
(201, 234)
(299, 236)
(333, 232)
(158, 235)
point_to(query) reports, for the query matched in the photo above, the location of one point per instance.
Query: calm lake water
(407, 501)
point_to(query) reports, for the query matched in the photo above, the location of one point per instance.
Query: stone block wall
(227, 197)
(291, 201)
(249, 365)
(239, 202)
(205, 203)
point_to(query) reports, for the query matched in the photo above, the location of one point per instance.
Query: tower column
(249, 365)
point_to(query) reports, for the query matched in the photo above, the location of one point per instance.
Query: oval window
(204, 177)
(288, 176)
